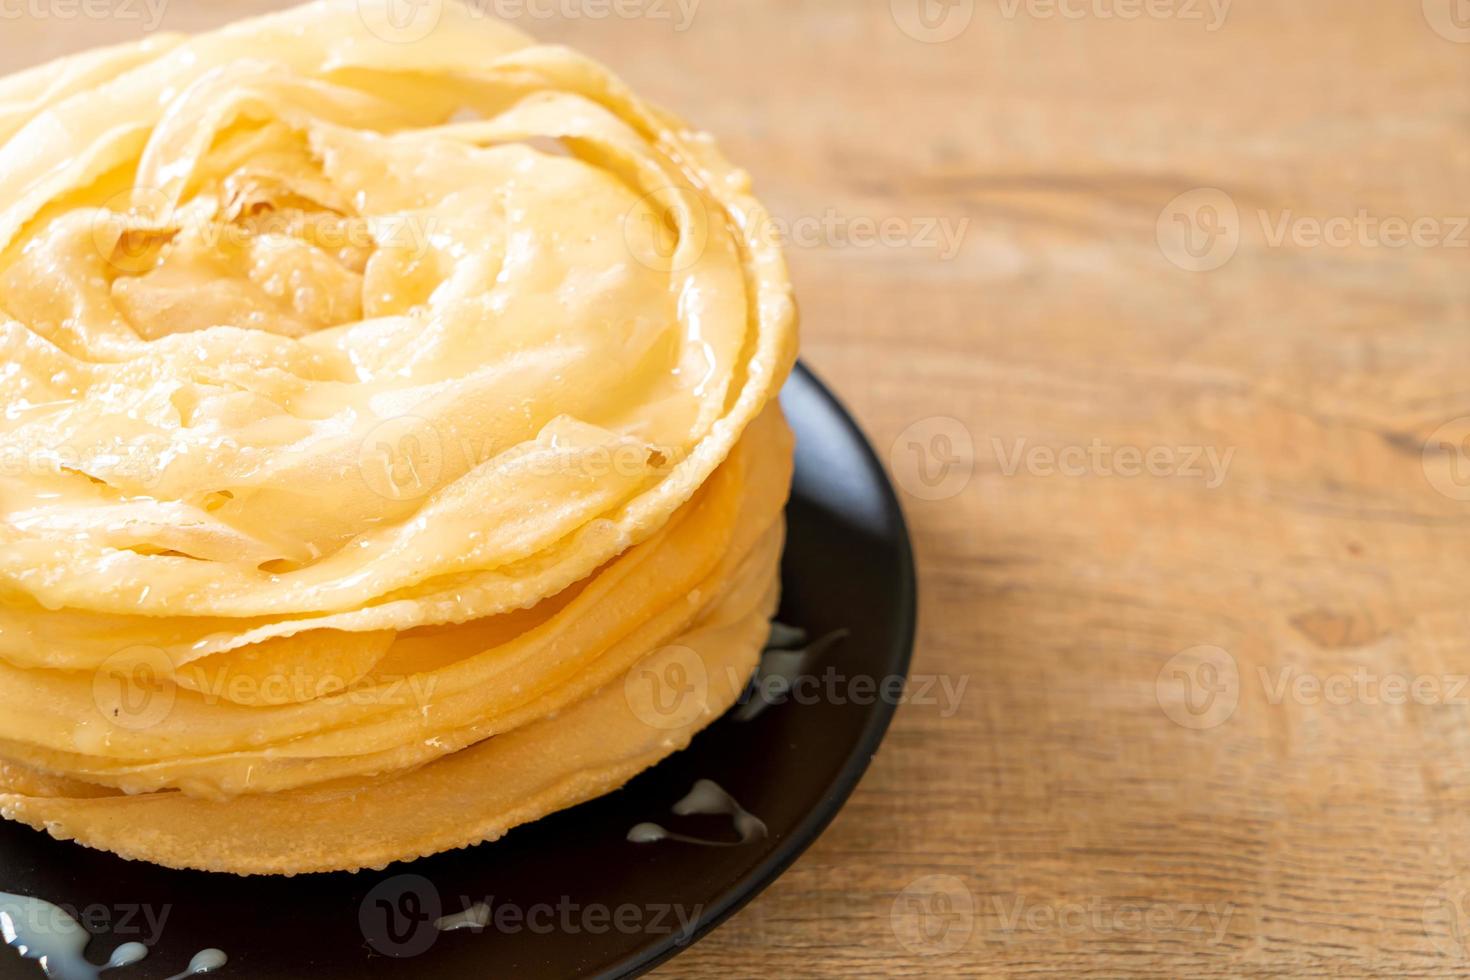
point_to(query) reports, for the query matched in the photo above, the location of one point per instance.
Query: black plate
(582, 901)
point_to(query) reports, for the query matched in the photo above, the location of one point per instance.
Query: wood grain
(1072, 826)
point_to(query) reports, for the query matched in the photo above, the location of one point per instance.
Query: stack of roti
(389, 453)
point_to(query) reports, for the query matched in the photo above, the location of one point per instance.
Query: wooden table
(1164, 450)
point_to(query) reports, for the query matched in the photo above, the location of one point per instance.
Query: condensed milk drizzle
(707, 797)
(787, 657)
(43, 932)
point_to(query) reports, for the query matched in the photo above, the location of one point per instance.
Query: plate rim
(859, 757)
